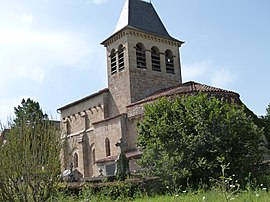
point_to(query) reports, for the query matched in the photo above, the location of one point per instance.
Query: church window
(75, 160)
(113, 62)
(155, 57)
(169, 61)
(93, 156)
(140, 56)
(108, 147)
(121, 62)
(68, 127)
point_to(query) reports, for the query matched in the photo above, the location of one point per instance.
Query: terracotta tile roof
(185, 88)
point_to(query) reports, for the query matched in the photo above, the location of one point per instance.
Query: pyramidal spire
(141, 15)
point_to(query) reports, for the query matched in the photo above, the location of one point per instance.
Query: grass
(209, 196)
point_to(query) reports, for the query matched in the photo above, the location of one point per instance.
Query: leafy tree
(183, 139)
(265, 122)
(30, 159)
(29, 112)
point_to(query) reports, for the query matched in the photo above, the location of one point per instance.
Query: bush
(182, 139)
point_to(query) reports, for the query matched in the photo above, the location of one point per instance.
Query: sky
(50, 49)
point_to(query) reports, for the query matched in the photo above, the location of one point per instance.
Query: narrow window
(68, 127)
(94, 156)
(108, 147)
(169, 62)
(75, 160)
(140, 56)
(121, 62)
(113, 62)
(155, 57)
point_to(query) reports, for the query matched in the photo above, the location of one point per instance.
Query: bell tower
(142, 57)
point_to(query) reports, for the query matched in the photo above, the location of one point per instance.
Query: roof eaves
(83, 99)
(136, 29)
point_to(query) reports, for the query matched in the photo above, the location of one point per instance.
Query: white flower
(264, 189)
(203, 198)
(184, 191)
(261, 185)
(167, 187)
(176, 195)
(232, 186)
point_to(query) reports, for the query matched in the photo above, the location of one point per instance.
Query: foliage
(265, 120)
(29, 112)
(227, 185)
(30, 164)
(182, 139)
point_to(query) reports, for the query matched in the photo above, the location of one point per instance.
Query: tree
(29, 112)
(265, 122)
(30, 159)
(182, 139)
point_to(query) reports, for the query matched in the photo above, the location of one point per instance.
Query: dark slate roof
(141, 15)
(185, 89)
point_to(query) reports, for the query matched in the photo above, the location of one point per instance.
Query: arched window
(121, 62)
(140, 56)
(113, 62)
(169, 61)
(75, 160)
(108, 147)
(155, 57)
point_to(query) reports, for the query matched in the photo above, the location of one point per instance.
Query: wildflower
(167, 187)
(233, 175)
(232, 186)
(203, 198)
(261, 185)
(184, 191)
(264, 189)
(176, 195)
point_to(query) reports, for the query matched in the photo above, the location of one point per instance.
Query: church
(143, 64)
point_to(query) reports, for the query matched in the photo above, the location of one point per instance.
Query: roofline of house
(149, 99)
(83, 99)
(133, 28)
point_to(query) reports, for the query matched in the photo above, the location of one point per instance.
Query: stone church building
(143, 64)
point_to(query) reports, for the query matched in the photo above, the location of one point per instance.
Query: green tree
(30, 160)
(182, 139)
(265, 122)
(29, 112)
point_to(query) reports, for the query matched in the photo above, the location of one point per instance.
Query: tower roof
(141, 15)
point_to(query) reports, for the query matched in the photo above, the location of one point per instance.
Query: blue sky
(50, 49)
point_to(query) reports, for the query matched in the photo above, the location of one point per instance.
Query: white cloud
(99, 1)
(7, 107)
(36, 73)
(28, 19)
(206, 71)
(195, 70)
(26, 54)
(222, 77)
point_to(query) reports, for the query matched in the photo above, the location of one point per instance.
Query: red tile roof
(185, 88)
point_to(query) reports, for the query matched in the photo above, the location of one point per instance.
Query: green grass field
(210, 196)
